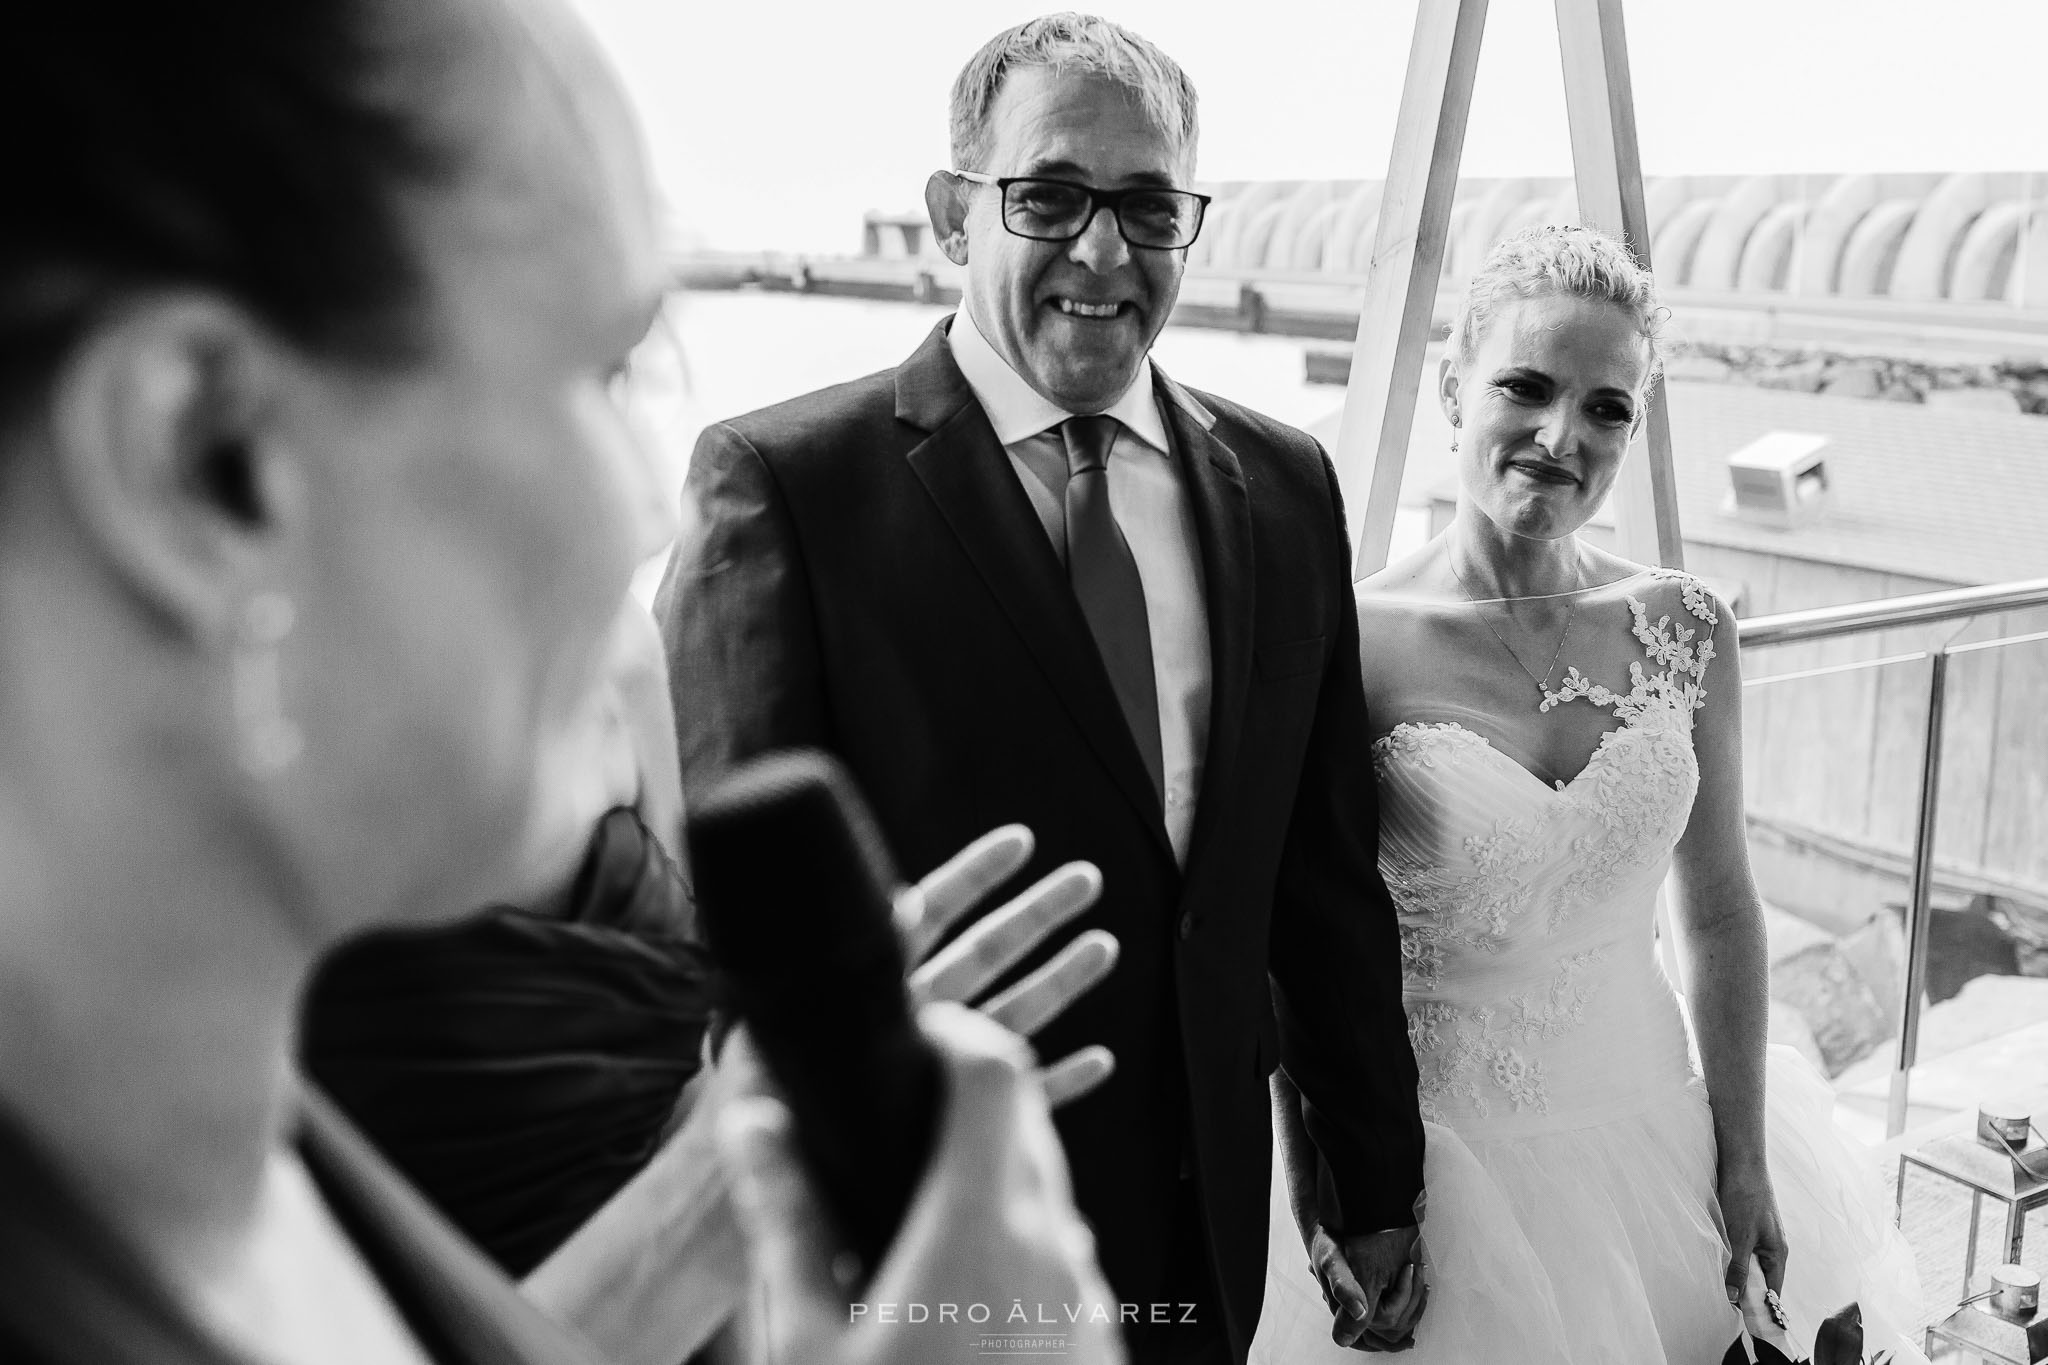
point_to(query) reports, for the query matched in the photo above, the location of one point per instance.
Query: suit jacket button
(1187, 927)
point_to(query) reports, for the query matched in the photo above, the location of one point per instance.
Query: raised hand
(656, 1271)
(968, 966)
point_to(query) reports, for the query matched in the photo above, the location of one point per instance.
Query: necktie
(1106, 583)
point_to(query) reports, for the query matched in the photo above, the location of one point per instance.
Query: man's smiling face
(1075, 319)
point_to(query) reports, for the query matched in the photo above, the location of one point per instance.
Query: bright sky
(773, 124)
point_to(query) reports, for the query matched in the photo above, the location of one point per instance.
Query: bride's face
(1546, 406)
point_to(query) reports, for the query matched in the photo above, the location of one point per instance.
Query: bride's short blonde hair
(1579, 262)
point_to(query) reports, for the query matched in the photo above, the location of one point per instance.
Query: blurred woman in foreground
(315, 518)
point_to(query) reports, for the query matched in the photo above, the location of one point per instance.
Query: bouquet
(1838, 1342)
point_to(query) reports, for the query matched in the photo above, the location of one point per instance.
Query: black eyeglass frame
(1098, 200)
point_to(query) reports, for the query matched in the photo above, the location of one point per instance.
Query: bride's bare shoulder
(1414, 579)
(1658, 588)
(1602, 568)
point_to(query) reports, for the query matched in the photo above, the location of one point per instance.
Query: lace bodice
(1526, 907)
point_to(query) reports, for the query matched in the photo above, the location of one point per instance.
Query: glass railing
(1897, 765)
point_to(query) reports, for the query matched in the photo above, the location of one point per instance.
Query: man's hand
(1375, 1283)
(965, 968)
(992, 1223)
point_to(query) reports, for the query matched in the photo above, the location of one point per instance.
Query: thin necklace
(1572, 610)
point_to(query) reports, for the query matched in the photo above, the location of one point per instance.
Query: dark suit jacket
(871, 579)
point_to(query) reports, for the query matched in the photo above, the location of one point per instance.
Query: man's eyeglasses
(1060, 210)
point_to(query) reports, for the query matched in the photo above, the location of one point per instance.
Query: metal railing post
(1919, 909)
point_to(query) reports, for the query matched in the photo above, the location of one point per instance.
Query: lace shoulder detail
(1693, 593)
(1418, 742)
(1679, 652)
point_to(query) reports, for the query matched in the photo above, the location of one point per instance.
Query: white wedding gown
(1570, 1168)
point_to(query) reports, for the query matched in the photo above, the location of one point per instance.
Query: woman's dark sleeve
(522, 1065)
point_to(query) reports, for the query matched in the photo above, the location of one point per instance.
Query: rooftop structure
(1970, 236)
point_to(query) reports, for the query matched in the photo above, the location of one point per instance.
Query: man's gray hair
(1071, 43)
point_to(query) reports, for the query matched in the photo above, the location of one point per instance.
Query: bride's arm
(1297, 1153)
(1721, 934)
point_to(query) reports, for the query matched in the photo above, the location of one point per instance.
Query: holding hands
(1376, 1284)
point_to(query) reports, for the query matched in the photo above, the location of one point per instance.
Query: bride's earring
(268, 741)
(1454, 431)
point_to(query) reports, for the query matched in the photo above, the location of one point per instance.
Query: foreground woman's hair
(240, 149)
(236, 145)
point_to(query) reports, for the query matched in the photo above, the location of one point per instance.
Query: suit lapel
(968, 475)
(1223, 524)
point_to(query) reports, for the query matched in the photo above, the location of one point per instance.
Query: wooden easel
(1408, 255)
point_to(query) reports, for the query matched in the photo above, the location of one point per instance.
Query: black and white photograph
(798, 684)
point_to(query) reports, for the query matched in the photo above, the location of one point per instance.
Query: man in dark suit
(1025, 577)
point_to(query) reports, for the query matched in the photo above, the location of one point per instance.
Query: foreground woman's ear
(163, 434)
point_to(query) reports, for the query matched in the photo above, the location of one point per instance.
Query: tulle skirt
(1605, 1243)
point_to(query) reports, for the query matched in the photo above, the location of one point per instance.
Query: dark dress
(518, 1068)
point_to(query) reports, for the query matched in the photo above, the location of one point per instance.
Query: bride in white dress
(1556, 729)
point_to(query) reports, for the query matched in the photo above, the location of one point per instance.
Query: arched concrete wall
(1489, 214)
(1766, 264)
(1245, 207)
(1295, 214)
(2029, 287)
(1258, 233)
(1215, 222)
(1663, 197)
(1351, 232)
(1817, 268)
(1937, 232)
(1674, 246)
(1967, 236)
(1454, 268)
(1295, 209)
(1359, 258)
(1720, 250)
(1312, 239)
(1984, 261)
(1873, 248)
(1536, 212)
(1216, 226)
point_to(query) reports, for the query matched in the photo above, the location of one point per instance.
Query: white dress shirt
(1150, 503)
